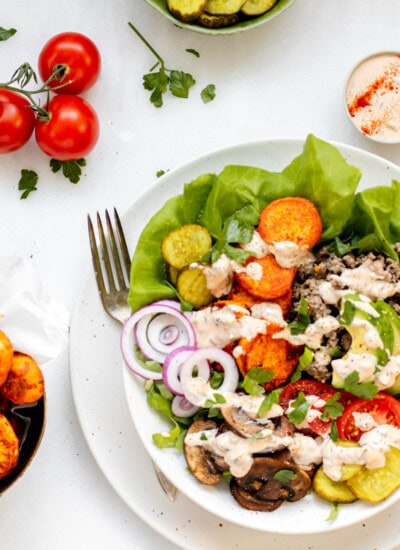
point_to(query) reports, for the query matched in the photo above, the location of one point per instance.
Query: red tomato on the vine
(17, 121)
(72, 131)
(78, 55)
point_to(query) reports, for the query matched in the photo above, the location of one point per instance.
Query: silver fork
(111, 256)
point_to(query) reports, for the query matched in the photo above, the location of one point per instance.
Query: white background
(283, 79)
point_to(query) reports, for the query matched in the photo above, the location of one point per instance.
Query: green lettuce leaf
(226, 203)
(375, 220)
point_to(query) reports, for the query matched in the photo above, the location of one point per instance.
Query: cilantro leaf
(339, 248)
(5, 34)
(303, 318)
(332, 409)
(208, 93)
(180, 83)
(27, 182)
(237, 229)
(71, 169)
(254, 378)
(219, 399)
(334, 511)
(334, 432)
(157, 83)
(366, 390)
(270, 399)
(284, 475)
(305, 359)
(193, 52)
(300, 408)
(347, 315)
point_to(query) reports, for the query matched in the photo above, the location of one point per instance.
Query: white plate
(105, 420)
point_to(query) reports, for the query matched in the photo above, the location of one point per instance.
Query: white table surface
(283, 79)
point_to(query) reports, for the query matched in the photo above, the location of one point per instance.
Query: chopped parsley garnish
(300, 408)
(71, 169)
(302, 319)
(332, 409)
(284, 475)
(27, 182)
(208, 93)
(305, 359)
(270, 399)
(252, 383)
(366, 390)
(5, 34)
(334, 511)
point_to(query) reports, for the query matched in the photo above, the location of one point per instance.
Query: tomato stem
(22, 77)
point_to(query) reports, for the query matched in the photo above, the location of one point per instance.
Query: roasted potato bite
(24, 383)
(6, 356)
(9, 447)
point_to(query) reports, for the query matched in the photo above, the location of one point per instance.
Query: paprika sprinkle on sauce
(373, 97)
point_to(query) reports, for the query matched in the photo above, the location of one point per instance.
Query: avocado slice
(356, 315)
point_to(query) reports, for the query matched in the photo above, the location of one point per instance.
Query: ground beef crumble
(307, 282)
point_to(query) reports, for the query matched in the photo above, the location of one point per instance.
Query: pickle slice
(332, 491)
(186, 10)
(257, 7)
(349, 470)
(185, 245)
(223, 7)
(218, 21)
(376, 485)
(192, 287)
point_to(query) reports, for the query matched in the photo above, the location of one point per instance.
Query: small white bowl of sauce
(372, 97)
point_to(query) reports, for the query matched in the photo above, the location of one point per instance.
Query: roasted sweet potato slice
(238, 295)
(269, 280)
(274, 354)
(294, 219)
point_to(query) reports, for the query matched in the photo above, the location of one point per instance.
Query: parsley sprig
(164, 79)
(5, 34)
(158, 83)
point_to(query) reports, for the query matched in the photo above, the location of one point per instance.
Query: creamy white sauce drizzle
(219, 326)
(364, 363)
(236, 451)
(365, 281)
(312, 336)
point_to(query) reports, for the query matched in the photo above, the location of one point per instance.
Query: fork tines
(114, 245)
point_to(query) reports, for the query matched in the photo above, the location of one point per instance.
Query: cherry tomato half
(17, 121)
(384, 409)
(72, 131)
(80, 57)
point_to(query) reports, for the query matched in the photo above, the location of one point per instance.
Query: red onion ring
(229, 383)
(183, 408)
(136, 330)
(172, 367)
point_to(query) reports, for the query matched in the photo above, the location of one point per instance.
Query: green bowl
(278, 8)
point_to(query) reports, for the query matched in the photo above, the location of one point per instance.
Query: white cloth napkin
(35, 323)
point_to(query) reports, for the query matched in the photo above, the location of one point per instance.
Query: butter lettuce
(235, 197)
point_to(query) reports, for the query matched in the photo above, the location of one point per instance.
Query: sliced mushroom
(241, 423)
(199, 460)
(247, 426)
(270, 480)
(251, 502)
